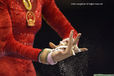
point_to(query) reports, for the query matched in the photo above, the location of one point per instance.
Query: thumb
(52, 45)
(83, 49)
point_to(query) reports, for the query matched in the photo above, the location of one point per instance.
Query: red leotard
(16, 39)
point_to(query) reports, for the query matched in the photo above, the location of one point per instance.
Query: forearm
(27, 52)
(57, 20)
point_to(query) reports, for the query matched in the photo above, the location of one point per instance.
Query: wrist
(46, 57)
(43, 55)
(50, 59)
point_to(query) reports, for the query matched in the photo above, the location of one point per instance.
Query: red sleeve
(56, 19)
(8, 45)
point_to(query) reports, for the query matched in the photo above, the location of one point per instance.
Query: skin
(61, 55)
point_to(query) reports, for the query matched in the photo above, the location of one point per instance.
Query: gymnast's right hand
(52, 56)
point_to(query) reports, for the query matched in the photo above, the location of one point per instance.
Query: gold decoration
(27, 4)
(30, 16)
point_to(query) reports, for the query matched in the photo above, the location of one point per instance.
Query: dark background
(96, 25)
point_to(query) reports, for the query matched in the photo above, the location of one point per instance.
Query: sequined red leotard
(16, 39)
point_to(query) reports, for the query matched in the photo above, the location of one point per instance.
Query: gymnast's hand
(69, 50)
(61, 52)
(64, 42)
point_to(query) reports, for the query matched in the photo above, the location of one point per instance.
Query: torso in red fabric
(13, 66)
(16, 52)
(21, 31)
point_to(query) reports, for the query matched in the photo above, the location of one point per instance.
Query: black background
(96, 25)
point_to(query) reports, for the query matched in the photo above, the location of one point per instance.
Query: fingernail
(86, 49)
(80, 33)
(72, 31)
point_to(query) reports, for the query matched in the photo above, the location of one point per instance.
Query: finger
(70, 42)
(83, 49)
(77, 39)
(52, 45)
